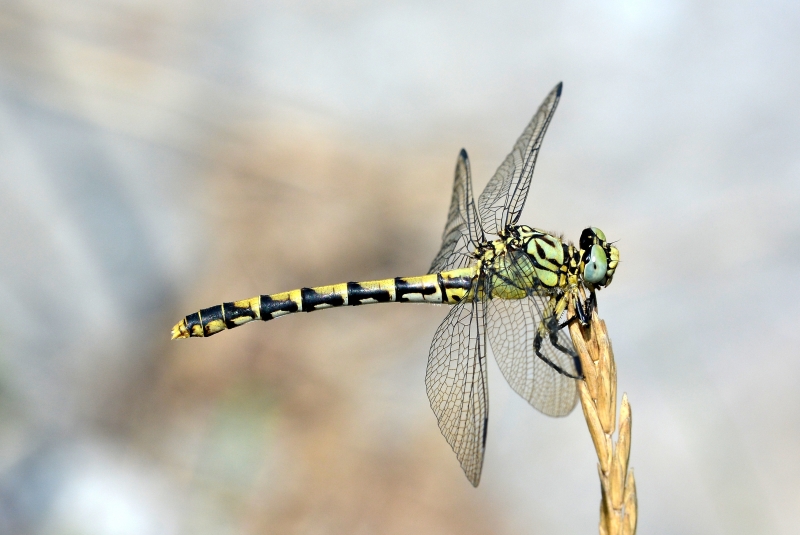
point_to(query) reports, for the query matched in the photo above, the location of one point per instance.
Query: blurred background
(157, 157)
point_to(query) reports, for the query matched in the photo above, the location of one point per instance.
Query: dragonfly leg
(568, 322)
(552, 328)
(583, 310)
(580, 312)
(555, 327)
(591, 304)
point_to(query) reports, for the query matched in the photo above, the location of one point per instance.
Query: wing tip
(558, 88)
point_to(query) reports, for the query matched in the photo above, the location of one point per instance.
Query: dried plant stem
(598, 392)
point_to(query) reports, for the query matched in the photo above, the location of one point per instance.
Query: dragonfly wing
(536, 357)
(512, 328)
(502, 200)
(462, 232)
(457, 386)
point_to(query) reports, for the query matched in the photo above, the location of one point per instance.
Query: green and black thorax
(526, 260)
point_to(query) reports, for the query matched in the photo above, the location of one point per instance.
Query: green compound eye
(597, 265)
(599, 233)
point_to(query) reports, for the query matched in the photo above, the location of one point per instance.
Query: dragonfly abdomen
(448, 287)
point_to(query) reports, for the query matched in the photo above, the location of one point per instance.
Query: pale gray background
(161, 156)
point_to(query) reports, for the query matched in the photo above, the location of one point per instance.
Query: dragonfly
(513, 291)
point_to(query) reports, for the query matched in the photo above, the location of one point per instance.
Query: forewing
(456, 382)
(502, 200)
(547, 379)
(462, 232)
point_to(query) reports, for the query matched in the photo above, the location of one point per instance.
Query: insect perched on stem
(514, 289)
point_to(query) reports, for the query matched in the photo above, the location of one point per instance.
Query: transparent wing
(457, 386)
(536, 357)
(512, 327)
(502, 200)
(462, 232)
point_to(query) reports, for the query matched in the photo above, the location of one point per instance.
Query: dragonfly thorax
(525, 259)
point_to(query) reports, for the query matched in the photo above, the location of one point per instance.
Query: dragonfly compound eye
(599, 233)
(596, 265)
(591, 236)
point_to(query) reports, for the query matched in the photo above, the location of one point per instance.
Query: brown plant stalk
(598, 393)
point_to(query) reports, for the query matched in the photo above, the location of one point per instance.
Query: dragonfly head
(599, 258)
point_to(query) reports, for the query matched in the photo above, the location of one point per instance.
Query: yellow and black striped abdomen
(447, 287)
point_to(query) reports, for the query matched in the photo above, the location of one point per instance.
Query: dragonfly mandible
(513, 290)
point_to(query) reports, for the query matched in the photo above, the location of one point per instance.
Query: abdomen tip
(179, 331)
